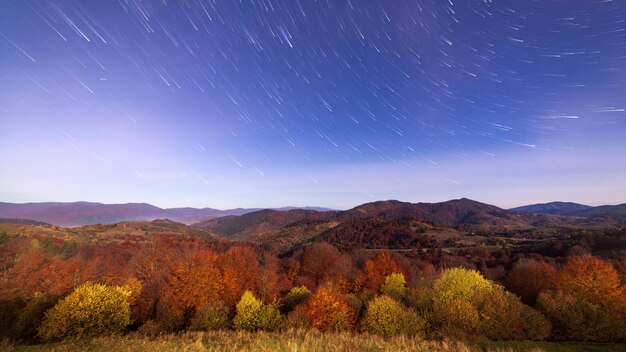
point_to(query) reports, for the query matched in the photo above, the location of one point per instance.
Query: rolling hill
(87, 213)
(458, 214)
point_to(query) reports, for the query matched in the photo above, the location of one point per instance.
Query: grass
(523, 346)
(295, 341)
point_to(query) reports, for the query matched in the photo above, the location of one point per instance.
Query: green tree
(504, 317)
(387, 317)
(462, 303)
(90, 310)
(460, 283)
(31, 316)
(295, 296)
(248, 311)
(253, 315)
(210, 317)
(576, 318)
(269, 318)
(394, 286)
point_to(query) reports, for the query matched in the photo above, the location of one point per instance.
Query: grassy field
(295, 342)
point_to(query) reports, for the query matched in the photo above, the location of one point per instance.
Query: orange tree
(327, 310)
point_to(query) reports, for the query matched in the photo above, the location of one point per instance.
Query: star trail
(310, 102)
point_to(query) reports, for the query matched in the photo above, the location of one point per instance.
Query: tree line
(57, 289)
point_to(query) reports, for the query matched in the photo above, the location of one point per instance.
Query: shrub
(463, 303)
(9, 311)
(90, 310)
(536, 325)
(460, 283)
(327, 310)
(387, 317)
(210, 317)
(269, 318)
(31, 316)
(295, 296)
(248, 311)
(394, 286)
(253, 315)
(297, 319)
(151, 328)
(578, 319)
(529, 277)
(504, 317)
(169, 319)
(452, 317)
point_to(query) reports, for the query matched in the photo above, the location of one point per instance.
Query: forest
(61, 283)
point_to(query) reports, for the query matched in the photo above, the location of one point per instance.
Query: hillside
(88, 213)
(461, 213)
(249, 225)
(134, 231)
(450, 213)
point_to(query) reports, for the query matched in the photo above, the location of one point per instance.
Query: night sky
(301, 102)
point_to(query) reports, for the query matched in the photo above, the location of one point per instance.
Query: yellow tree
(90, 310)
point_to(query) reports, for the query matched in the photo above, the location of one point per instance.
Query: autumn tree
(593, 279)
(29, 318)
(322, 262)
(240, 270)
(589, 302)
(270, 282)
(375, 271)
(90, 310)
(460, 283)
(529, 277)
(213, 316)
(253, 315)
(296, 295)
(504, 317)
(394, 286)
(194, 282)
(387, 317)
(327, 310)
(248, 311)
(462, 302)
(576, 318)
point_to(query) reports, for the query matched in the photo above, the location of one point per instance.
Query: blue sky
(330, 103)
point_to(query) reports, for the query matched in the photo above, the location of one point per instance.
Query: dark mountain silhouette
(604, 214)
(450, 213)
(555, 208)
(23, 222)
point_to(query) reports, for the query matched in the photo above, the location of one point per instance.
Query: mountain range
(575, 209)
(87, 213)
(243, 222)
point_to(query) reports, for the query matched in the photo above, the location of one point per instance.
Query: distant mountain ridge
(458, 214)
(555, 208)
(575, 209)
(454, 213)
(242, 223)
(87, 213)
